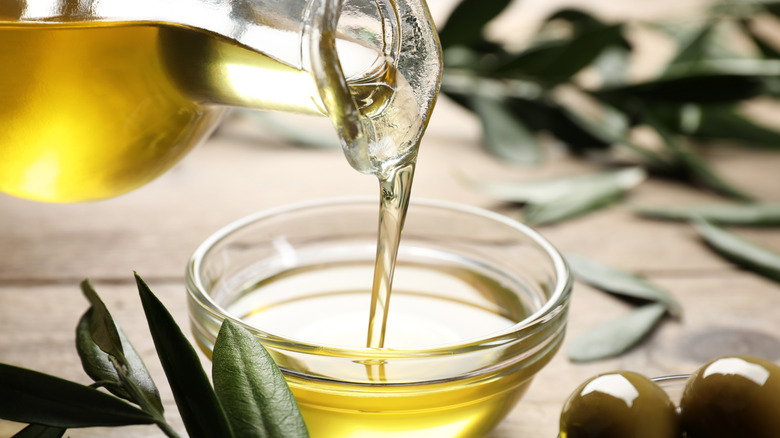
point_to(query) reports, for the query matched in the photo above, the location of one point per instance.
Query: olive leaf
(555, 200)
(719, 122)
(613, 66)
(101, 368)
(619, 282)
(579, 19)
(572, 204)
(33, 397)
(40, 431)
(541, 191)
(755, 69)
(740, 251)
(612, 128)
(584, 198)
(617, 336)
(692, 164)
(694, 50)
(544, 114)
(766, 49)
(687, 88)
(465, 24)
(250, 386)
(611, 125)
(52, 405)
(101, 326)
(200, 409)
(747, 214)
(558, 60)
(505, 136)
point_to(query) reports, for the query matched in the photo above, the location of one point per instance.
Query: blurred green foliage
(695, 98)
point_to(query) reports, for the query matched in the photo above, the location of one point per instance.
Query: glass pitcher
(101, 96)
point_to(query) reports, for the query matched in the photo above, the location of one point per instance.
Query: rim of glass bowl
(673, 385)
(548, 314)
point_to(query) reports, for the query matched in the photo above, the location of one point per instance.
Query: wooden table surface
(47, 249)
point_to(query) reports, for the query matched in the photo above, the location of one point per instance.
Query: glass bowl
(479, 306)
(673, 386)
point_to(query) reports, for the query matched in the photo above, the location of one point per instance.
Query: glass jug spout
(381, 115)
(105, 95)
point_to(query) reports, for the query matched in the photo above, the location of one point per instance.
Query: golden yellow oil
(457, 409)
(93, 110)
(89, 112)
(433, 306)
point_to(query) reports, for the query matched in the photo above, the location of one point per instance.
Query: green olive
(619, 405)
(732, 397)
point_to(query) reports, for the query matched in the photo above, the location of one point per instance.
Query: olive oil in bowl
(391, 394)
(478, 308)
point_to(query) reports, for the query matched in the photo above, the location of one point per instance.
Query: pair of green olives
(729, 397)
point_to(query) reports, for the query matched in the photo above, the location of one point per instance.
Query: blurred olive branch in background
(696, 97)
(572, 82)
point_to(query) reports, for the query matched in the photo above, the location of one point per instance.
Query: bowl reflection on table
(479, 306)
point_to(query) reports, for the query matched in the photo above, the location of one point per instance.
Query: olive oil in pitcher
(92, 110)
